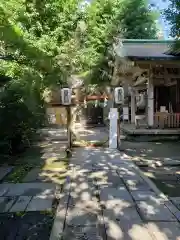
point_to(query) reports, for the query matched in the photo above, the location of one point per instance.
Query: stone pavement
(26, 197)
(31, 226)
(86, 134)
(40, 186)
(30, 189)
(92, 134)
(105, 198)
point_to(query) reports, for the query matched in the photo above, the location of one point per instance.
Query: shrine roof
(142, 49)
(174, 50)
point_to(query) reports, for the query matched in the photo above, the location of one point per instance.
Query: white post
(113, 116)
(150, 96)
(133, 106)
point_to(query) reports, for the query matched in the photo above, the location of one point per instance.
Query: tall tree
(172, 14)
(137, 20)
(57, 38)
(46, 41)
(40, 35)
(127, 19)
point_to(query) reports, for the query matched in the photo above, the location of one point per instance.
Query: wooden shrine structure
(148, 65)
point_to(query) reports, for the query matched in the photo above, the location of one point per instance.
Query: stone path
(92, 134)
(40, 187)
(33, 225)
(26, 197)
(28, 204)
(165, 153)
(4, 171)
(105, 198)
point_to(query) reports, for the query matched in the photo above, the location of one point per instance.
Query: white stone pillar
(113, 116)
(133, 105)
(150, 102)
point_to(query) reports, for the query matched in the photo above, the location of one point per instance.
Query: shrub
(21, 114)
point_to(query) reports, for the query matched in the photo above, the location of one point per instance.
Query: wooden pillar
(150, 100)
(133, 105)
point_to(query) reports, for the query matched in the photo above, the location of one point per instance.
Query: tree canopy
(126, 19)
(172, 14)
(56, 38)
(44, 42)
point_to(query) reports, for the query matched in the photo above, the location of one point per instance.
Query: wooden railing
(166, 120)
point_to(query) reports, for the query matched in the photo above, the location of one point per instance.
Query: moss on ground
(54, 168)
(18, 173)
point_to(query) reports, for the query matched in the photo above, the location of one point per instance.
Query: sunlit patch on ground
(160, 161)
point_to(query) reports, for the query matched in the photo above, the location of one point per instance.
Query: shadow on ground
(34, 225)
(160, 161)
(151, 150)
(100, 206)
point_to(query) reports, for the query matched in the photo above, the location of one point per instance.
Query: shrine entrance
(92, 115)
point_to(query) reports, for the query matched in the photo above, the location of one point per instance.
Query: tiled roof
(174, 49)
(147, 49)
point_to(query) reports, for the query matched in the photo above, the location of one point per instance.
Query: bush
(21, 114)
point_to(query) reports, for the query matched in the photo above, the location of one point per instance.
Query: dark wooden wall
(166, 96)
(92, 115)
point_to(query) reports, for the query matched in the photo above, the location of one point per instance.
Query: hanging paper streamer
(96, 103)
(105, 102)
(85, 103)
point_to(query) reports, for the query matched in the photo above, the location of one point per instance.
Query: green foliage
(137, 21)
(18, 173)
(127, 19)
(59, 38)
(20, 117)
(172, 15)
(34, 34)
(47, 41)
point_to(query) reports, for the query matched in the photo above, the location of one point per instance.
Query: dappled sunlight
(98, 195)
(56, 176)
(140, 231)
(148, 208)
(130, 150)
(100, 191)
(55, 163)
(92, 135)
(113, 230)
(152, 151)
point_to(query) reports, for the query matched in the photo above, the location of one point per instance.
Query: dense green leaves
(128, 19)
(137, 21)
(173, 16)
(59, 38)
(20, 116)
(47, 41)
